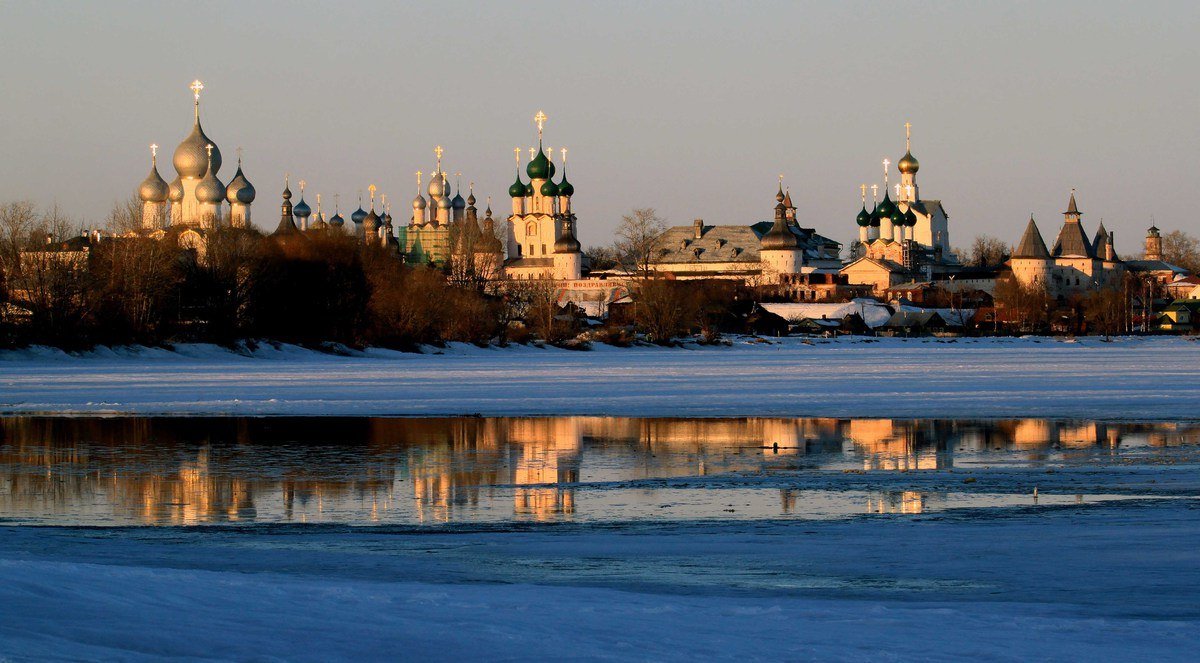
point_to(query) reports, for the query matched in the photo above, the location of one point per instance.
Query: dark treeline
(73, 290)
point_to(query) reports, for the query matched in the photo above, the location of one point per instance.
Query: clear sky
(692, 108)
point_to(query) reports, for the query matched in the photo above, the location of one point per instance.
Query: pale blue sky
(692, 108)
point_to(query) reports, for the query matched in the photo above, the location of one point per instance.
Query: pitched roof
(1072, 208)
(1072, 242)
(1032, 245)
(716, 244)
(1100, 243)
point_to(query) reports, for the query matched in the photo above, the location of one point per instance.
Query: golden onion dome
(908, 164)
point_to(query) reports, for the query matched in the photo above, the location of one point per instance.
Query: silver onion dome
(240, 190)
(191, 157)
(175, 190)
(444, 203)
(210, 189)
(437, 186)
(419, 202)
(153, 189)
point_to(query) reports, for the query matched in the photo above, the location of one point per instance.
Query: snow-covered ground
(1097, 583)
(1150, 378)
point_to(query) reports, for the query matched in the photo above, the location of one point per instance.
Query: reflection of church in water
(440, 470)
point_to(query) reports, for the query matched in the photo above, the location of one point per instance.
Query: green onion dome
(154, 188)
(358, 215)
(875, 217)
(864, 217)
(540, 167)
(529, 189)
(175, 190)
(886, 207)
(517, 190)
(908, 164)
(240, 190)
(910, 219)
(565, 188)
(897, 217)
(302, 209)
(550, 189)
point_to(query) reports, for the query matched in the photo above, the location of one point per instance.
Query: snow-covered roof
(873, 313)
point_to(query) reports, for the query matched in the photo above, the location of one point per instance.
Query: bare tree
(1025, 306)
(125, 216)
(987, 251)
(1182, 250)
(636, 239)
(18, 224)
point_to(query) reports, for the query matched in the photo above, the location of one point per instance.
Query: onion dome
(302, 210)
(240, 190)
(358, 215)
(458, 202)
(875, 217)
(191, 157)
(371, 222)
(864, 217)
(529, 189)
(337, 220)
(471, 199)
(567, 243)
(444, 203)
(419, 202)
(908, 164)
(540, 167)
(886, 208)
(910, 219)
(550, 189)
(779, 237)
(517, 190)
(897, 217)
(175, 190)
(210, 189)
(437, 186)
(565, 188)
(153, 189)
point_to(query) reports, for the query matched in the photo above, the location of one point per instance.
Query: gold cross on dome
(196, 86)
(864, 193)
(532, 152)
(908, 136)
(517, 154)
(874, 191)
(419, 173)
(302, 183)
(886, 163)
(540, 119)
(550, 152)
(208, 148)
(564, 153)
(438, 151)
(153, 149)
(372, 190)
(897, 189)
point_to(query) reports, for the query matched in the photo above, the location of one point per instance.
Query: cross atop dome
(195, 87)
(540, 120)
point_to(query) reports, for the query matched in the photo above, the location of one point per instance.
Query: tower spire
(908, 136)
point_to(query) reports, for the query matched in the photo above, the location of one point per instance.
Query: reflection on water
(145, 470)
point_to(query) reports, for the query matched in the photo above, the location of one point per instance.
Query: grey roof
(906, 319)
(928, 207)
(1072, 208)
(716, 244)
(1032, 245)
(529, 262)
(1153, 266)
(1072, 242)
(1100, 243)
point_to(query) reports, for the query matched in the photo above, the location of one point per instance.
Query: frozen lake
(598, 538)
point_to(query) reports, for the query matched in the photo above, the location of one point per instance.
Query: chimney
(698, 228)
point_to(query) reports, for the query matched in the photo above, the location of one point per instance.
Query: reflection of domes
(191, 157)
(240, 190)
(153, 189)
(176, 190)
(908, 164)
